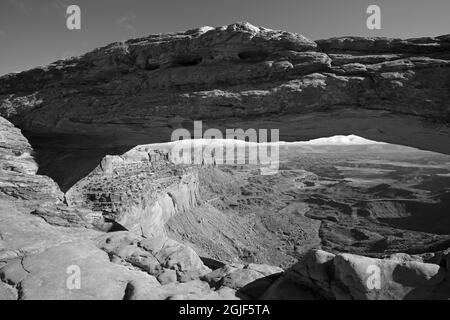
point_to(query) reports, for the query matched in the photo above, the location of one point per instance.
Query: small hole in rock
(152, 66)
(187, 61)
(252, 56)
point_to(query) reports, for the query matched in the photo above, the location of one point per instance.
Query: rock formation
(113, 222)
(347, 277)
(138, 91)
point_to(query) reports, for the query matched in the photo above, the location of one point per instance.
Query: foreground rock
(158, 256)
(347, 276)
(21, 192)
(18, 179)
(43, 242)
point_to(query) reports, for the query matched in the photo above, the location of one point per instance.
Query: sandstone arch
(390, 90)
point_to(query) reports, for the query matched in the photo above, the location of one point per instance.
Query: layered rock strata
(240, 75)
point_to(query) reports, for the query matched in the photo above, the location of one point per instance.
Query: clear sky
(33, 32)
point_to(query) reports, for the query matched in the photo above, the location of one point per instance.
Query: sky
(34, 32)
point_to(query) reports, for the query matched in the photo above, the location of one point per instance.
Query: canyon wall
(141, 190)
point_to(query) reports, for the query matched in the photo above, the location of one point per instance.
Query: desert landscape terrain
(88, 179)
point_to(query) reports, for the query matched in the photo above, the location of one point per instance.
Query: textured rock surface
(21, 192)
(347, 276)
(155, 255)
(138, 91)
(36, 278)
(18, 179)
(41, 238)
(140, 190)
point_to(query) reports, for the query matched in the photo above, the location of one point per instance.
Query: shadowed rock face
(241, 76)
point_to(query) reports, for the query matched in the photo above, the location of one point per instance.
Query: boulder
(167, 276)
(183, 260)
(215, 278)
(367, 278)
(348, 276)
(161, 256)
(240, 278)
